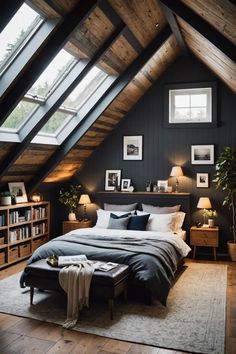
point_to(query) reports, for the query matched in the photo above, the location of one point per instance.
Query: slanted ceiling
(176, 31)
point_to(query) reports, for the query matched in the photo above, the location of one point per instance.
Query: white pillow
(120, 207)
(103, 217)
(164, 222)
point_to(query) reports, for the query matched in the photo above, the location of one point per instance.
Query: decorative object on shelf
(131, 188)
(125, 184)
(70, 198)
(202, 180)
(18, 190)
(202, 154)
(155, 188)
(212, 215)
(169, 189)
(176, 172)
(112, 180)
(36, 197)
(133, 147)
(162, 185)
(225, 178)
(204, 203)
(6, 198)
(148, 186)
(84, 199)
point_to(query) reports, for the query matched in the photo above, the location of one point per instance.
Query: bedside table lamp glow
(176, 172)
(204, 203)
(84, 199)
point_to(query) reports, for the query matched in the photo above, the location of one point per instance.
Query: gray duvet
(152, 262)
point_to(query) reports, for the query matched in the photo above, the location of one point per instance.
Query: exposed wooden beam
(99, 107)
(202, 26)
(52, 46)
(44, 112)
(8, 10)
(175, 28)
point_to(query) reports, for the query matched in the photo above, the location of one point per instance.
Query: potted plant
(70, 198)
(211, 214)
(225, 178)
(5, 198)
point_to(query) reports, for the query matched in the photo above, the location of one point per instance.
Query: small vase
(211, 222)
(71, 217)
(6, 200)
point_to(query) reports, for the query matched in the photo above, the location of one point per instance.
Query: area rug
(193, 321)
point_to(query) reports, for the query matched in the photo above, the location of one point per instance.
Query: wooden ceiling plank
(36, 66)
(203, 27)
(44, 112)
(99, 107)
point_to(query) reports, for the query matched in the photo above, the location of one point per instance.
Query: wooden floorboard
(23, 336)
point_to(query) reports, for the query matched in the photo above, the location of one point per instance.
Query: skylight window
(17, 32)
(55, 122)
(54, 71)
(19, 115)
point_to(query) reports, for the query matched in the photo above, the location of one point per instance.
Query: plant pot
(6, 200)
(232, 250)
(211, 222)
(71, 216)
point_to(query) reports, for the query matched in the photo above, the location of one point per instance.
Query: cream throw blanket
(75, 280)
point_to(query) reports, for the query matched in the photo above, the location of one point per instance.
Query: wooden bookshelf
(23, 228)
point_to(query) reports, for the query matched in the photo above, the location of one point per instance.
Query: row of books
(15, 217)
(21, 233)
(39, 213)
(39, 229)
(2, 220)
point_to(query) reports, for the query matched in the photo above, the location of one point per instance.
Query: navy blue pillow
(138, 222)
(114, 216)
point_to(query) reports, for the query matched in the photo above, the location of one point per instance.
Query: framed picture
(132, 147)
(112, 179)
(202, 154)
(202, 180)
(162, 186)
(125, 184)
(18, 190)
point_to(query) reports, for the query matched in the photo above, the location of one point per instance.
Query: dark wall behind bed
(166, 147)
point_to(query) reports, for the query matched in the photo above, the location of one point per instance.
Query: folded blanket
(75, 280)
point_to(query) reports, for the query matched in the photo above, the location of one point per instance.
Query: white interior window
(190, 105)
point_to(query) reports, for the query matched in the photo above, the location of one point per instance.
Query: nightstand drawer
(204, 238)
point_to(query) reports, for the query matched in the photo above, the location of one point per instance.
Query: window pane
(182, 101)
(85, 88)
(19, 115)
(199, 113)
(53, 72)
(199, 100)
(182, 113)
(55, 122)
(16, 31)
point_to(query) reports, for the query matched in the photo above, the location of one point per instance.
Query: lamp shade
(84, 199)
(176, 171)
(204, 203)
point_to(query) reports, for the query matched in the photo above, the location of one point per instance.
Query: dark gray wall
(166, 147)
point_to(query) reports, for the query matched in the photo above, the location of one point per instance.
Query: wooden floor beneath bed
(22, 335)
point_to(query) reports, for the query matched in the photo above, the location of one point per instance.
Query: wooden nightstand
(68, 226)
(204, 237)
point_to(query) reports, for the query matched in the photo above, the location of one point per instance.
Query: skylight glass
(55, 122)
(85, 88)
(16, 32)
(19, 115)
(54, 71)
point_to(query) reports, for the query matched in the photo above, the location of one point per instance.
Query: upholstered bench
(106, 285)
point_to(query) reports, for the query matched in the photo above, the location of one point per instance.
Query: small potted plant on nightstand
(70, 197)
(225, 178)
(212, 215)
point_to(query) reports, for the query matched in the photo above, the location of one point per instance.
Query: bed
(152, 253)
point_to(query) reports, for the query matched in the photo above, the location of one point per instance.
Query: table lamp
(176, 172)
(84, 199)
(204, 203)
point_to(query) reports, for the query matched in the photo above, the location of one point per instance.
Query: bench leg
(111, 307)
(31, 295)
(126, 295)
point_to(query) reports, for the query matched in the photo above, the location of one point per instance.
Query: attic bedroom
(117, 176)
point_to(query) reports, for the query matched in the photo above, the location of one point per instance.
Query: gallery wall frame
(202, 154)
(112, 179)
(133, 147)
(202, 180)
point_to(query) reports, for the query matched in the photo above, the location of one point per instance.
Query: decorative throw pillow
(119, 223)
(103, 217)
(138, 222)
(114, 216)
(118, 207)
(160, 210)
